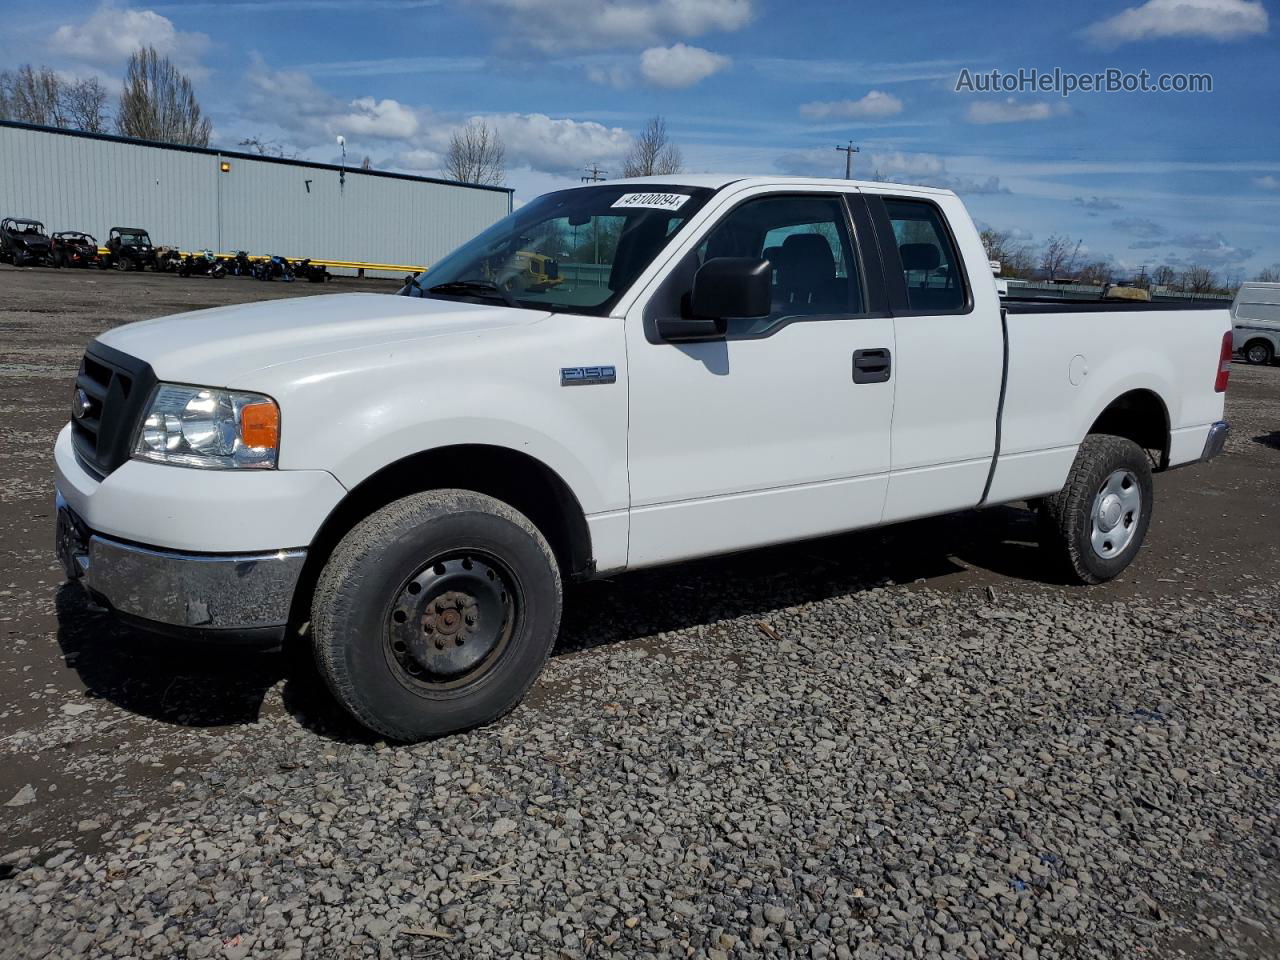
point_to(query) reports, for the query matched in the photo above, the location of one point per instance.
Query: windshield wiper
(473, 286)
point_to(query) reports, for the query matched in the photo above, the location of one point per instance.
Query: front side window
(574, 251)
(806, 241)
(930, 265)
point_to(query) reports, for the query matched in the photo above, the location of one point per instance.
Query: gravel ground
(896, 744)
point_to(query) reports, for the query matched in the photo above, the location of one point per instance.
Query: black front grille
(116, 390)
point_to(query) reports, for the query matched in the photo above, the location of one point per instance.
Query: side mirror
(723, 288)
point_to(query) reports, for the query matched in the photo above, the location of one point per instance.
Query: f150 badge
(586, 376)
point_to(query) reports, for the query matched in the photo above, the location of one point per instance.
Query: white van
(1255, 322)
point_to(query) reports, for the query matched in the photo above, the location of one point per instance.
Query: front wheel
(436, 614)
(1095, 525)
(1259, 352)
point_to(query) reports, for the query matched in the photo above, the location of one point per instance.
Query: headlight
(203, 427)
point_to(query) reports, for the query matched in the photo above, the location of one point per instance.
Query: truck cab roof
(717, 181)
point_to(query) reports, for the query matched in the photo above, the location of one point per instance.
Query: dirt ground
(94, 716)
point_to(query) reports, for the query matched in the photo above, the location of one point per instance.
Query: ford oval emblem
(79, 404)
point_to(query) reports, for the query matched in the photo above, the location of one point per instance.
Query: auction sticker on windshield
(652, 201)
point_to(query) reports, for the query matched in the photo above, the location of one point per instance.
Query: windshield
(574, 251)
(134, 239)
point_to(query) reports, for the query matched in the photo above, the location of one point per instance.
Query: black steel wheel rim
(452, 621)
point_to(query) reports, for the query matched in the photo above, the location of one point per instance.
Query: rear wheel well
(515, 478)
(1140, 416)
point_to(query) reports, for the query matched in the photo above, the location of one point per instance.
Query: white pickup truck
(614, 376)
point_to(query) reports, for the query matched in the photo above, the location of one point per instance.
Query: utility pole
(848, 152)
(594, 174)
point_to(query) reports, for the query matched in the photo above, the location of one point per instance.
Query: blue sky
(755, 86)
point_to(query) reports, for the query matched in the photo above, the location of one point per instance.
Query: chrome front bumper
(247, 593)
(1216, 440)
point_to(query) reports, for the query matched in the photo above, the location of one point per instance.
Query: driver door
(780, 430)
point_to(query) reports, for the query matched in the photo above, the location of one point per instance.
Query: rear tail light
(1224, 364)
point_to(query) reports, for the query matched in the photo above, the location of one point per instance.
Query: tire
(1259, 352)
(1100, 491)
(408, 587)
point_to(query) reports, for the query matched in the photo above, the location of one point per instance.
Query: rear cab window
(931, 267)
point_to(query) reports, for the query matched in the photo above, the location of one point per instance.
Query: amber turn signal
(260, 424)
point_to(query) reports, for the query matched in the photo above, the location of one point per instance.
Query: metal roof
(241, 155)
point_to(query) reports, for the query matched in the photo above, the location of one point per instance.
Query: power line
(848, 152)
(594, 174)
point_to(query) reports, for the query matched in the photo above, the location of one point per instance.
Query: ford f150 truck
(724, 363)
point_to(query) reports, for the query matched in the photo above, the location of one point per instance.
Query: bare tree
(32, 95)
(267, 148)
(1269, 275)
(38, 95)
(158, 102)
(476, 155)
(1198, 279)
(653, 153)
(1163, 276)
(1059, 256)
(84, 106)
(1096, 272)
(1014, 255)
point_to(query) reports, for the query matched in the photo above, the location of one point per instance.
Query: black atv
(71, 248)
(23, 242)
(129, 248)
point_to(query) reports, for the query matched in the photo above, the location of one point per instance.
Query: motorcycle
(311, 272)
(204, 264)
(274, 268)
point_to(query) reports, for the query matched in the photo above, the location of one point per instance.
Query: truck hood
(217, 347)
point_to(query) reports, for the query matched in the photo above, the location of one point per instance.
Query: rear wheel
(1095, 525)
(1259, 352)
(436, 614)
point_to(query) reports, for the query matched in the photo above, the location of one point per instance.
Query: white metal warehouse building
(196, 198)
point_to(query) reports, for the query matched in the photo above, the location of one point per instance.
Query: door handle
(872, 366)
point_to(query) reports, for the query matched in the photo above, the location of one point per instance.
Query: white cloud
(679, 65)
(420, 159)
(609, 75)
(1142, 227)
(1011, 111)
(1212, 249)
(1267, 183)
(557, 25)
(874, 104)
(1212, 19)
(384, 119)
(925, 169)
(111, 34)
(417, 136)
(292, 101)
(557, 144)
(1096, 204)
